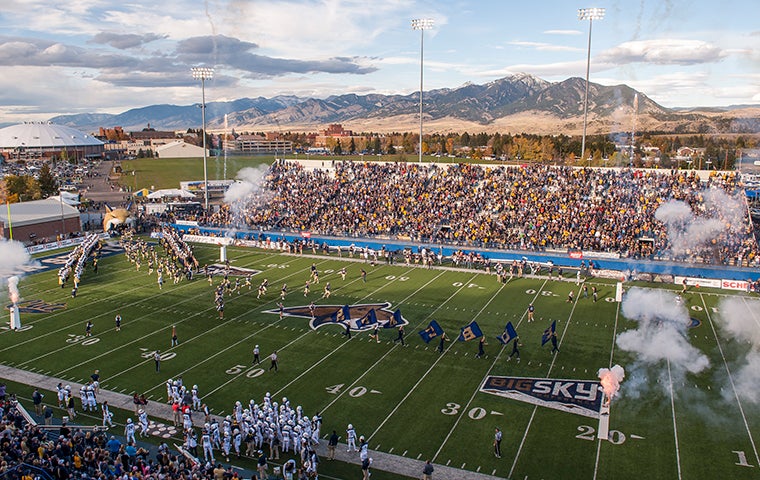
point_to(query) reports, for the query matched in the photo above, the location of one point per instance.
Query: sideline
(381, 460)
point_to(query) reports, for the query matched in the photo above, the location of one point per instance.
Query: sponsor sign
(734, 285)
(694, 281)
(576, 254)
(605, 273)
(581, 397)
(60, 244)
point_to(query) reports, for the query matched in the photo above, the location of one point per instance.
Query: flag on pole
(343, 314)
(395, 320)
(367, 320)
(509, 334)
(433, 330)
(469, 332)
(548, 333)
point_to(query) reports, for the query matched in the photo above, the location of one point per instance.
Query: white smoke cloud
(250, 182)
(659, 337)
(13, 256)
(689, 231)
(245, 194)
(740, 317)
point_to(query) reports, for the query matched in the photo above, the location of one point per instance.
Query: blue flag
(433, 330)
(548, 333)
(469, 332)
(509, 334)
(367, 320)
(341, 315)
(395, 320)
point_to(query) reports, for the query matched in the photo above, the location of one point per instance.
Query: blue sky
(105, 56)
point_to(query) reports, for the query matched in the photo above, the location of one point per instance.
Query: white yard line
(551, 366)
(202, 335)
(467, 406)
(336, 349)
(85, 306)
(496, 359)
(612, 352)
(297, 339)
(411, 390)
(675, 426)
(731, 378)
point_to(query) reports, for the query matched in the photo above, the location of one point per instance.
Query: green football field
(411, 400)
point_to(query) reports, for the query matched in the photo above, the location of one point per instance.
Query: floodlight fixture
(421, 24)
(203, 74)
(589, 14)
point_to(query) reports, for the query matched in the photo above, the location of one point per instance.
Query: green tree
(338, 150)
(352, 146)
(47, 182)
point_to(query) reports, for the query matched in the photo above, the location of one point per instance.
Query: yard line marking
(143, 301)
(675, 427)
(612, 351)
(154, 333)
(496, 357)
(206, 333)
(551, 366)
(298, 339)
(402, 302)
(731, 377)
(438, 359)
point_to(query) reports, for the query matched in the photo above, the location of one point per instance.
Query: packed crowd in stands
(74, 453)
(258, 431)
(531, 207)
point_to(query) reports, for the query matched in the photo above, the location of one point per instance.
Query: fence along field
(669, 421)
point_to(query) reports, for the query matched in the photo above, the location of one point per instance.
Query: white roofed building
(39, 219)
(179, 149)
(44, 139)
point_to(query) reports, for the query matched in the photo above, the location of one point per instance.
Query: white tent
(68, 198)
(171, 193)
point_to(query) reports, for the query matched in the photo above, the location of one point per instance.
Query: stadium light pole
(203, 74)
(421, 24)
(589, 14)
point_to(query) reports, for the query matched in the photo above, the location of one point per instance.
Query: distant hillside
(517, 103)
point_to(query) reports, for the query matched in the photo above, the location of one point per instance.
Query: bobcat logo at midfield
(358, 317)
(38, 306)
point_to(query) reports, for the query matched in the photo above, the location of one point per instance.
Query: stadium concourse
(159, 410)
(641, 214)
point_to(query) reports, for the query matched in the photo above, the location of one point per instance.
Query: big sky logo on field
(218, 269)
(359, 317)
(581, 397)
(38, 306)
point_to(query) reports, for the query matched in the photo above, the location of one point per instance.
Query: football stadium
(342, 318)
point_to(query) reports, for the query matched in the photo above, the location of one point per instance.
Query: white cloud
(664, 51)
(546, 46)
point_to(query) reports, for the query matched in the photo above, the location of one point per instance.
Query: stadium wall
(604, 265)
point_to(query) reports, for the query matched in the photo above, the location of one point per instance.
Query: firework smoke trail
(610, 379)
(13, 289)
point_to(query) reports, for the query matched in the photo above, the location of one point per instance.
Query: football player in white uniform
(107, 415)
(129, 431)
(351, 438)
(143, 418)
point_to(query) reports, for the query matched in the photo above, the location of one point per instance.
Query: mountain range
(514, 104)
